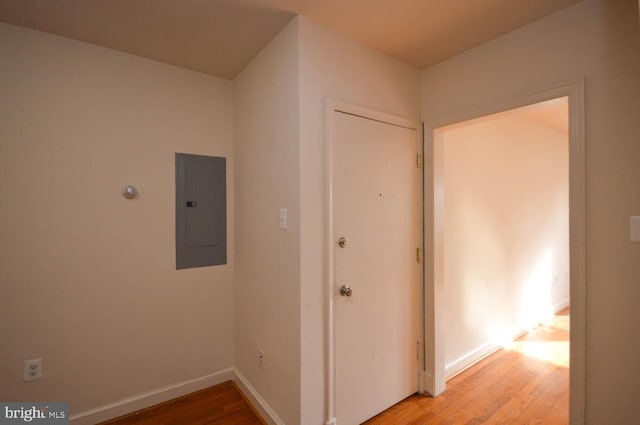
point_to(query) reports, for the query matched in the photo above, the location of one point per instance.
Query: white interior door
(376, 204)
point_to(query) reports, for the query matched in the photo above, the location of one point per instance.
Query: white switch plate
(283, 219)
(634, 229)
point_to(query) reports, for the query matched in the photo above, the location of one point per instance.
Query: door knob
(346, 291)
(342, 242)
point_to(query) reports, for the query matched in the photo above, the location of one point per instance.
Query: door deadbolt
(346, 291)
(342, 242)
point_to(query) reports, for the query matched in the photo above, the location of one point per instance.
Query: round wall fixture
(129, 191)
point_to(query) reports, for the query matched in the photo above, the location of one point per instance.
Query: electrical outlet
(32, 370)
(261, 358)
(283, 219)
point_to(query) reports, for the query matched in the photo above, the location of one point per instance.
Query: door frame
(333, 106)
(434, 379)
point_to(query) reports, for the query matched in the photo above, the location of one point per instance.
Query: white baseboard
(267, 413)
(469, 359)
(561, 306)
(474, 356)
(149, 398)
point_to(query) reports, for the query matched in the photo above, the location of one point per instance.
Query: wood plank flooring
(525, 383)
(218, 405)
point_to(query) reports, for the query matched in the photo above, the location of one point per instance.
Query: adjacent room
(505, 244)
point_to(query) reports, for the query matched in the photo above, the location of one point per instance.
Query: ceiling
(220, 37)
(552, 113)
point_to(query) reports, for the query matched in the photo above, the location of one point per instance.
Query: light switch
(635, 229)
(283, 219)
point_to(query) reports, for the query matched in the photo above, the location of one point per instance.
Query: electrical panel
(201, 211)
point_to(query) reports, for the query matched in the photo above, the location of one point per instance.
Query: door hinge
(418, 255)
(418, 160)
(418, 350)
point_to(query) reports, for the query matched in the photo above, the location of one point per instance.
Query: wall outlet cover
(32, 370)
(634, 229)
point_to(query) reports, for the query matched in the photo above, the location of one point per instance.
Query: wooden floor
(218, 405)
(525, 383)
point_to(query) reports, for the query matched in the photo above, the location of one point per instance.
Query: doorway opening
(505, 215)
(543, 269)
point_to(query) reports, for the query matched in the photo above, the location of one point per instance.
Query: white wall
(267, 280)
(599, 40)
(332, 66)
(506, 237)
(88, 277)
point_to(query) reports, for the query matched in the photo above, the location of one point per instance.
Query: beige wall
(111, 294)
(332, 66)
(506, 230)
(267, 280)
(88, 279)
(599, 40)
